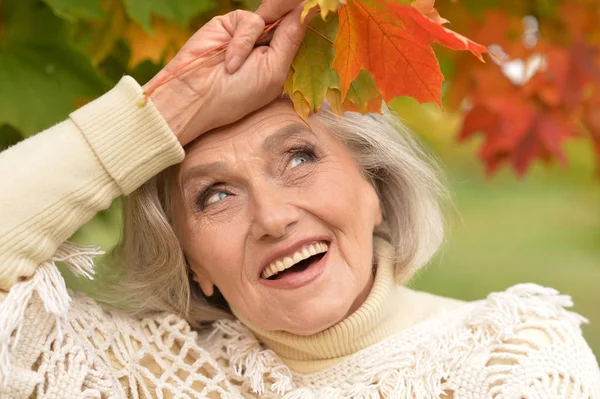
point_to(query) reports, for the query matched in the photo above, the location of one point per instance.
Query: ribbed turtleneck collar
(377, 318)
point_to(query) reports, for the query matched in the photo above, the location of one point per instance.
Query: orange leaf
(393, 42)
(426, 8)
(168, 38)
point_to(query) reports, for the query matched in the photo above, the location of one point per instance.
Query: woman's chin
(311, 326)
(311, 317)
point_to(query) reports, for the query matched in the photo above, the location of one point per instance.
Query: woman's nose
(273, 215)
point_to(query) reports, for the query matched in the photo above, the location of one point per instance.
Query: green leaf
(42, 76)
(363, 93)
(251, 5)
(73, 10)
(180, 11)
(31, 21)
(313, 73)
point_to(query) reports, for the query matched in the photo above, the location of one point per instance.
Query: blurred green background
(544, 228)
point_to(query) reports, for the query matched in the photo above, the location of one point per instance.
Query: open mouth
(298, 262)
(298, 267)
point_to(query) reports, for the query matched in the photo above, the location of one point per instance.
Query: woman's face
(271, 192)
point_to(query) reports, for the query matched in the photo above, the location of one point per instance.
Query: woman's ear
(204, 281)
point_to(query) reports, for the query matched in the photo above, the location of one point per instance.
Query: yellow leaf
(326, 6)
(334, 98)
(168, 38)
(301, 106)
(288, 86)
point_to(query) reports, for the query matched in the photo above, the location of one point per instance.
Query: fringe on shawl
(50, 286)
(250, 361)
(418, 372)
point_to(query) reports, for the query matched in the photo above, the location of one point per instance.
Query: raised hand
(230, 85)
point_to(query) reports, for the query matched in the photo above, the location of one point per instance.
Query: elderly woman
(264, 256)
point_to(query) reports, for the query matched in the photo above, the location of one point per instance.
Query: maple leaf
(326, 7)
(520, 124)
(100, 35)
(301, 106)
(363, 95)
(162, 45)
(313, 74)
(517, 131)
(313, 79)
(393, 42)
(426, 7)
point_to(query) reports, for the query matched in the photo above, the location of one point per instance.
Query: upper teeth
(288, 261)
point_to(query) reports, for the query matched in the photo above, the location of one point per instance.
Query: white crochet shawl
(520, 343)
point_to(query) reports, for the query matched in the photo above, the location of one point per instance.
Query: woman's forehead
(252, 130)
(273, 119)
(254, 133)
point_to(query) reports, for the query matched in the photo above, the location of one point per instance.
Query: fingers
(248, 28)
(272, 10)
(287, 38)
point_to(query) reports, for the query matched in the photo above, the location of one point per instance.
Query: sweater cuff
(132, 140)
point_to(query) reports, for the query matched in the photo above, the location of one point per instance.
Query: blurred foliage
(55, 55)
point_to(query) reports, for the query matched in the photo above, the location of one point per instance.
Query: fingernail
(234, 63)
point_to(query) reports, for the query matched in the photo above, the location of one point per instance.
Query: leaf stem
(320, 34)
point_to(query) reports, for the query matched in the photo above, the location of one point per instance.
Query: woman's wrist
(178, 104)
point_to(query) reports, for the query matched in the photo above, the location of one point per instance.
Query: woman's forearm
(53, 183)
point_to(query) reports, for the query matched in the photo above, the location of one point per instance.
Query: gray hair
(156, 277)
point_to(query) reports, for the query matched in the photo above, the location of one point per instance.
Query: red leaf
(393, 42)
(517, 131)
(439, 34)
(591, 119)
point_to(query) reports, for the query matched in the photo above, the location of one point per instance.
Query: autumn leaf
(41, 74)
(179, 11)
(591, 120)
(517, 132)
(301, 106)
(326, 7)
(313, 74)
(426, 7)
(393, 42)
(72, 10)
(160, 46)
(363, 95)
(519, 123)
(99, 36)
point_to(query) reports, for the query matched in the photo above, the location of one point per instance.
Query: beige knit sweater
(521, 343)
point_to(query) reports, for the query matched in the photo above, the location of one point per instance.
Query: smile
(295, 262)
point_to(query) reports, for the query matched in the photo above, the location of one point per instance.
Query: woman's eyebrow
(282, 134)
(202, 170)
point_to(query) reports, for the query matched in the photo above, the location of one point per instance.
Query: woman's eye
(218, 196)
(300, 156)
(298, 159)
